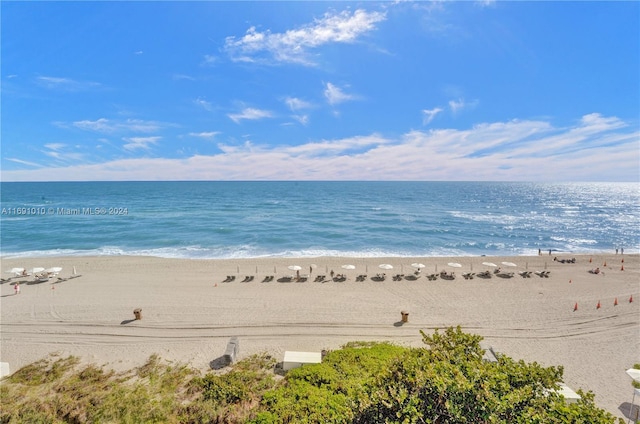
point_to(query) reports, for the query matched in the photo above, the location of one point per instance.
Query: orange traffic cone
(631, 299)
(622, 268)
(598, 305)
(575, 308)
(615, 302)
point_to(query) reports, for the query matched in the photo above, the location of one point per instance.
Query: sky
(301, 90)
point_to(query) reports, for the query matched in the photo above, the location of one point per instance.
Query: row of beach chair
(398, 277)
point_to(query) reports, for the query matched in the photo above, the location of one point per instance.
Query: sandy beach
(189, 313)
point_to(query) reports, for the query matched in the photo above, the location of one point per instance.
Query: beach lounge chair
(285, 279)
(445, 276)
(484, 274)
(411, 277)
(468, 275)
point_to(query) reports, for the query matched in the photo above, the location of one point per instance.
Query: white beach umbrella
(348, 266)
(16, 271)
(508, 264)
(295, 268)
(491, 264)
(455, 264)
(36, 270)
(634, 373)
(418, 265)
(385, 266)
(54, 270)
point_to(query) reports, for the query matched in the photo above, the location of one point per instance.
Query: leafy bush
(445, 382)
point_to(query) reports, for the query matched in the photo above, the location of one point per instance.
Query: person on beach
(16, 288)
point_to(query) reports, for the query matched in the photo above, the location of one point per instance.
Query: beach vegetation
(446, 381)
(636, 384)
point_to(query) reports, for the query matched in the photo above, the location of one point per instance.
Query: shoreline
(189, 313)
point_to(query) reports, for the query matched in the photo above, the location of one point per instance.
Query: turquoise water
(308, 219)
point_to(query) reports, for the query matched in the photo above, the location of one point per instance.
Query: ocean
(310, 219)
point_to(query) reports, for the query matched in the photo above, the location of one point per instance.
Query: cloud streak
(293, 46)
(518, 150)
(250, 114)
(66, 84)
(336, 95)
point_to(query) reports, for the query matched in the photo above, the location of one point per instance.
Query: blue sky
(534, 91)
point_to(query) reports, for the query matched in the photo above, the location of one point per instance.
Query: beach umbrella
(418, 265)
(295, 268)
(491, 264)
(385, 266)
(36, 270)
(348, 266)
(17, 271)
(508, 264)
(54, 270)
(455, 264)
(634, 373)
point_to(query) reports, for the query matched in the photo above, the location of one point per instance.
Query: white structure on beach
(297, 359)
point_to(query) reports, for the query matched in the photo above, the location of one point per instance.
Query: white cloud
(103, 125)
(296, 104)
(204, 104)
(55, 146)
(209, 60)
(595, 148)
(303, 119)
(335, 95)
(207, 134)
(251, 114)
(429, 114)
(66, 84)
(457, 105)
(293, 46)
(136, 143)
(183, 77)
(23, 162)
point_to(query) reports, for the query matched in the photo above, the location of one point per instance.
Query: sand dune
(189, 313)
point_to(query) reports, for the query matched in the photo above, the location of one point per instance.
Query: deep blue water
(302, 219)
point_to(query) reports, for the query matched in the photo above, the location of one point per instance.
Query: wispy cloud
(137, 143)
(204, 104)
(296, 104)
(596, 148)
(460, 104)
(104, 125)
(183, 77)
(336, 95)
(293, 46)
(251, 114)
(206, 134)
(429, 114)
(24, 162)
(66, 84)
(209, 60)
